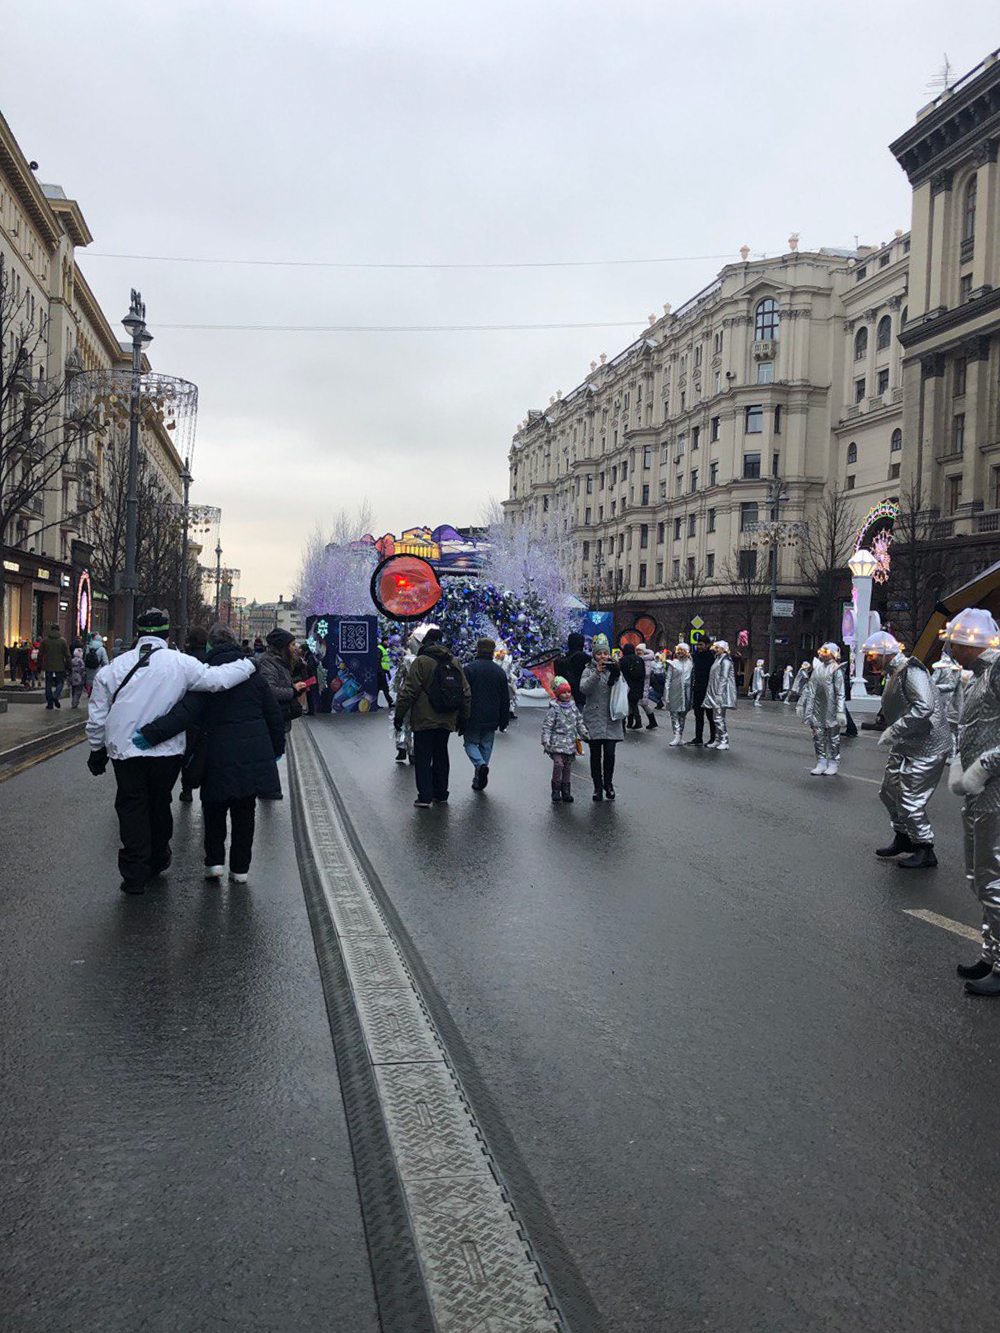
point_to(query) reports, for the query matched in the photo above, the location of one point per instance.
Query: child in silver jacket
(562, 729)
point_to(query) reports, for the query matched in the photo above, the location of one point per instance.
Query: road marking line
(945, 923)
(478, 1267)
(876, 782)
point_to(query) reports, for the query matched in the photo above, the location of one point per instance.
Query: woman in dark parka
(242, 733)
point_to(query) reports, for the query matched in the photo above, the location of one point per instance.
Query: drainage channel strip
(478, 1267)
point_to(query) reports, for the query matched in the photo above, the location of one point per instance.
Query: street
(709, 1044)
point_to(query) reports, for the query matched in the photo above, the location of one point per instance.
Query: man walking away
(136, 688)
(437, 697)
(703, 659)
(633, 670)
(489, 711)
(384, 671)
(55, 660)
(572, 665)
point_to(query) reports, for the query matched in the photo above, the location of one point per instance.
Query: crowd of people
(55, 663)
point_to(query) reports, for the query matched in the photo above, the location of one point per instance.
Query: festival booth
(347, 651)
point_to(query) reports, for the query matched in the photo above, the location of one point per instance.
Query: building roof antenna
(943, 80)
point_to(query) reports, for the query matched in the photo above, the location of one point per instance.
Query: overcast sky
(401, 133)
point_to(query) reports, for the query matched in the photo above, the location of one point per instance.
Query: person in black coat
(241, 734)
(490, 710)
(703, 659)
(572, 665)
(633, 670)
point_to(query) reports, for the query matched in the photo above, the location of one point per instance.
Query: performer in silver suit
(918, 739)
(972, 640)
(952, 681)
(721, 693)
(787, 676)
(758, 683)
(822, 706)
(799, 683)
(678, 690)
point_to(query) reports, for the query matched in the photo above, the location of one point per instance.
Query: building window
(710, 565)
(621, 542)
(624, 471)
(850, 482)
(645, 494)
(958, 433)
(765, 372)
(882, 382)
(751, 467)
(642, 576)
(694, 479)
(959, 376)
(600, 481)
(691, 575)
(969, 210)
(545, 504)
(614, 508)
(893, 471)
(663, 490)
(659, 571)
(643, 536)
(692, 524)
(896, 443)
(717, 343)
(718, 381)
(666, 408)
(586, 517)
(661, 530)
(590, 483)
(713, 474)
(765, 321)
(748, 564)
(675, 571)
(586, 550)
(683, 400)
(883, 336)
(995, 486)
(861, 344)
(748, 515)
(677, 529)
(715, 429)
(614, 475)
(695, 438)
(754, 419)
(775, 465)
(697, 355)
(965, 288)
(859, 391)
(861, 274)
(647, 458)
(600, 513)
(852, 453)
(681, 442)
(954, 494)
(711, 520)
(777, 420)
(680, 483)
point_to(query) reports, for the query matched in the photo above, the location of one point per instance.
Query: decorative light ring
(84, 603)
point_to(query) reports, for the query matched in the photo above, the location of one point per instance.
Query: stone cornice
(95, 315)
(21, 179)
(914, 334)
(952, 131)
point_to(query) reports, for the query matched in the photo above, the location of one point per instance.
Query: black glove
(614, 671)
(97, 761)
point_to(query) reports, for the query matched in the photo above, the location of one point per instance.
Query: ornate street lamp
(862, 565)
(135, 325)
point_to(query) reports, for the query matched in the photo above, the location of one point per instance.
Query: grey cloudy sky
(442, 133)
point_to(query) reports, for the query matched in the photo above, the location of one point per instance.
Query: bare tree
(684, 600)
(827, 545)
(40, 432)
(750, 580)
(918, 572)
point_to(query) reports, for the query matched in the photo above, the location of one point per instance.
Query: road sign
(696, 622)
(782, 609)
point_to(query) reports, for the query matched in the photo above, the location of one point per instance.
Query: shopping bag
(618, 703)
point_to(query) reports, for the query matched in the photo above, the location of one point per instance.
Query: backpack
(90, 659)
(446, 690)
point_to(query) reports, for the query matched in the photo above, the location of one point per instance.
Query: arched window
(969, 210)
(852, 453)
(883, 336)
(861, 344)
(765, 320)
(896, 443)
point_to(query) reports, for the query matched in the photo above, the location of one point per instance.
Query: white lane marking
(945, 923)
(876, 782)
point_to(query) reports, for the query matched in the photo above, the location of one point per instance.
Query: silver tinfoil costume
(678, 693)
(799, 683)
(720, 696)
(822, 706)
(979, 740)
(757, 684)
(952, 684)
(920, 742)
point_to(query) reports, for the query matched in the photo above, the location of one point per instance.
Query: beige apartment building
(45, 547)
(870, 372)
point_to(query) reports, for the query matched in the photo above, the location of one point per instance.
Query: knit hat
(280, 638)
(600, 644)
(153, 621)
(974, 627)
(561, 688)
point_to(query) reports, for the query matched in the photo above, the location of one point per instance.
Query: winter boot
(483, 773)
(401, 754)
(556, 795)
(921, 858)
(900, 843)
(988, 985)
(598, 794)
(723, 744)
(820, 768)
(982, 967)
(567, 794)
(676, 740)
(832, 768)
(609, 792)
(652, 724)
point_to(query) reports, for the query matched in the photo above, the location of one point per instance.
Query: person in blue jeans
(490, 710)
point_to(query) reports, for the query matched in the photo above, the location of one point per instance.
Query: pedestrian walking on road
(648, 705)
(563, 734)
(572, 665)
(489, 710)
(787, 676)
(403, 735)
(241, 734)
(702, 663)
(919, 740)
(603, 731)
(680, 671)
(633, 671)
(136, 688)
(77, 678)
(758, 683)
(438, 698)
(822, 708)
(721, 693)
(384, 671)
(54, 659)
(276, 666)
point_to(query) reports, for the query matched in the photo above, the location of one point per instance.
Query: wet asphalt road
(173, 1154)
(748, 1085)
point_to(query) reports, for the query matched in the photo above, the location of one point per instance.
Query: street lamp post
(862, 565)
(182, 627)
(777, 496)
(135, 324)
(218, 577)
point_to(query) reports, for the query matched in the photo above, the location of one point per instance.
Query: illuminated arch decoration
(84, 603)
(875, 535)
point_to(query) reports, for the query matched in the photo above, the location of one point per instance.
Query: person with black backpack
(438, 698)
(95, 656)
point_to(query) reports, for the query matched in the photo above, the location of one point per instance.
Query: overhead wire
(344, 264)
(396, 328)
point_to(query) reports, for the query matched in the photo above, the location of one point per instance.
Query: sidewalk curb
(55, 740)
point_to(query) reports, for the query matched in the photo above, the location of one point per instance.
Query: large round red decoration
(647, 627)
(629, 636)
(405, 587)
